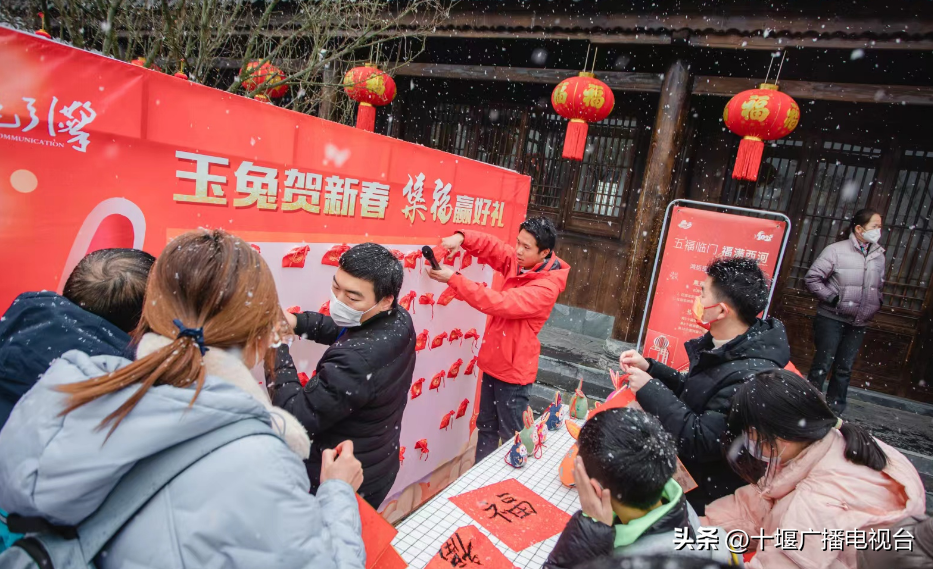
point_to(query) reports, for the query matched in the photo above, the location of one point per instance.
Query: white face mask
(755, 452)
(872, 235)
(343, 315)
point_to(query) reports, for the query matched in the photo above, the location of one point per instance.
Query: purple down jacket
(842, 270)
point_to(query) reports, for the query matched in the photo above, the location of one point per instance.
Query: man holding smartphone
(534, 278)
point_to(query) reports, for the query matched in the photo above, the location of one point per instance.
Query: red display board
(694, 238)
(98, 153)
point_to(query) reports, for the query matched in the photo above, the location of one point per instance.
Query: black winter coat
(38, 328)
(694, 406)
(584, 539)
(358, 393)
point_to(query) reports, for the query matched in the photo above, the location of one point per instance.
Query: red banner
(694, 238)
(98, 153)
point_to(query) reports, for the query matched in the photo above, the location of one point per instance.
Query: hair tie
(838, 424)
(197, 334)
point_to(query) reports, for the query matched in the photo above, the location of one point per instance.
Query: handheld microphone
(428, 254)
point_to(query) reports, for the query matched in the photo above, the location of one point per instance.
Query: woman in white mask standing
(847, 278)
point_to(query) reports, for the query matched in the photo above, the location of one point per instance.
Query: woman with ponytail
(809, 471)
(211, 313)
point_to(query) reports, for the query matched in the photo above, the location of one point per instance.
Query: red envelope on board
(296, 257)
(411, 259)
(447, 296)
(332, 256)
(421, 341)
(405, 301)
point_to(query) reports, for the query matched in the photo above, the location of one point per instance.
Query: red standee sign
(694, 238)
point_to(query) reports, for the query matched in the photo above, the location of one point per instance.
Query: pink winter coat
(817, 490)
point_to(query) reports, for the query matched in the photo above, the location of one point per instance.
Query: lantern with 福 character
(371, 88)
(582, 99)
(267, 77)
(758, 115)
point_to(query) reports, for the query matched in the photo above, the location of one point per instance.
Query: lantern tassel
(575, 139)
(366, 117)
(748, 159)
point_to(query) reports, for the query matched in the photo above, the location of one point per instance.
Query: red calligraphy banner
(694, 238)
(513, 513)
(97, 153)
(469, 547)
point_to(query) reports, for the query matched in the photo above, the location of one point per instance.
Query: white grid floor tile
(421, 535)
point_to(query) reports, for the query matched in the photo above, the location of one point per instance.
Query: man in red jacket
(534, 278)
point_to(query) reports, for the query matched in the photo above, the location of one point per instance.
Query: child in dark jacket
(630, 504)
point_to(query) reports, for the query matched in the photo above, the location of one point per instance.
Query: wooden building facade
(864, 82)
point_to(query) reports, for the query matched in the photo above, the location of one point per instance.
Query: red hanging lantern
(41, 31)
(582, 99)
(371, 88)
(141, 62)
(180, 74)
(758, 115)
(260, 74)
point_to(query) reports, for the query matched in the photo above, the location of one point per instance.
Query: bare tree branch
(313, 42)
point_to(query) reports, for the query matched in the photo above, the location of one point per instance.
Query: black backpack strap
(30, 524)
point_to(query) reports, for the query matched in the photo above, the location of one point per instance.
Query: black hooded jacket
(584, 539)
(358, 393)
(694, 406)
(38, 328)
